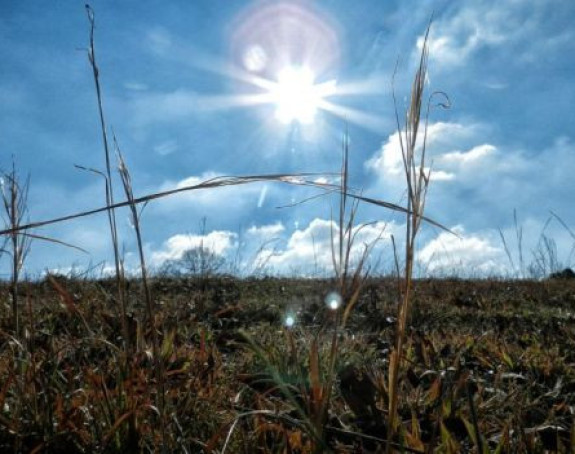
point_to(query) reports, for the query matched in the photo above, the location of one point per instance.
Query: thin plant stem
(417, 177)
(109, 185)
(150, 309)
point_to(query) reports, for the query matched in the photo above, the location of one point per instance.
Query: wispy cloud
(166, 148)
(227, 201)
(156, 108)
(135, 86)
(159, 40)
(521, 26)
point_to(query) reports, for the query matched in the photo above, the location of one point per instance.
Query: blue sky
(178, 89)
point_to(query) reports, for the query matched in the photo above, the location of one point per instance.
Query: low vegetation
(488, 364)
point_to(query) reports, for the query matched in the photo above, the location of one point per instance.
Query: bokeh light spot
(333, 301)
(255, 58)
(289, 321)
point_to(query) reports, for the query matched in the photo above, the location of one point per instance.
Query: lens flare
(255, 58)
(285, 55)
(333, 301)
(289, 321)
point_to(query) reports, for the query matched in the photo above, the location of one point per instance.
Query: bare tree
(198, 261)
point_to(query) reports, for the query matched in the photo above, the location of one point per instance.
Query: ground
(489, 356)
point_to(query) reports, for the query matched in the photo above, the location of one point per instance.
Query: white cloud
(476, 178)
(159, 40)
(467, 157)
(441, 175)
(470, 254)
(453, 40)
(166, 148)
(310, 248)
(266, 232)
(451, 44)
(217, 241)
(443, 140)
(535, 247)
(269, 248)
(518, 25)
(225, 200)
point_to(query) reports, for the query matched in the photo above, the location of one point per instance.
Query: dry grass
(417, 177)
(507, 345)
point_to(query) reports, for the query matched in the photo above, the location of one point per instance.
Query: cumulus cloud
(469, 254)
(474, 177)
(443, 141)
(310, 245)
(467, 157)
(441, 175)
(217, 241)
(469, 169)
(533, 248)
(270, 248)
(309, 249)
(266, 232)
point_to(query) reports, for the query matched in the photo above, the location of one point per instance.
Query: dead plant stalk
(417, 177)
(109, 186)
(158, 360)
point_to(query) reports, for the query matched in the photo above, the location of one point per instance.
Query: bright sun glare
(284, 51)
(297, 97)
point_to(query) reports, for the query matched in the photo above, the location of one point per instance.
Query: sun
(296, 95)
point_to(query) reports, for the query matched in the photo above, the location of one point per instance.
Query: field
(485, 357)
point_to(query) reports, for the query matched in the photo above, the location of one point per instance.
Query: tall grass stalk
(158, 359)
(569, 258)
(417, 177)
(350, 278)
(298, 179)
(520, 270)
(109, 185)
(124, 365)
